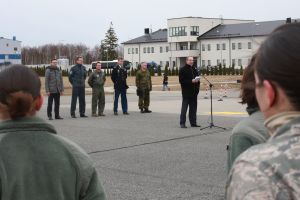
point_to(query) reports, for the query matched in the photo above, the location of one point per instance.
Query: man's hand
(62, 93)
(194, 81)
(48, 94)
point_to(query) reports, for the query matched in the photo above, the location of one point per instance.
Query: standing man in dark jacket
(96, 82)
(54, 86)
(77, 78)
(119, 76)
(190, 83)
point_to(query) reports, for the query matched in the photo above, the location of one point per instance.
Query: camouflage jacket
(270, 170)
(143, 80)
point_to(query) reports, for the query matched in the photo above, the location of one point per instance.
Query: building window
(15, 49)
(152, 50)
(203, 62)
(132, 50)
(167, 49)
(224, 62)
(148, 50)
(240, 45)
(224, 46)
(208, 47)
(161, 63)
(145, 50)
(136, 50)
(233, 46)
(177, 31)
(161, 49)
(193, 46)
(194, 30)
(249, 45)
(209, 63)
(136, 64)
(240, 62)
(129, 50)
(233, 62)
(7, 44)
(218, 47)
(218, 62)
(203, 47)
(183, 46)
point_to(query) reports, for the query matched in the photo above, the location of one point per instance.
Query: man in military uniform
(77, 78)
(144, 86)
(96, 81)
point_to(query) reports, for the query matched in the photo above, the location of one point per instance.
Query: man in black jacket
(119, 76)
(77, 78)
(190, 83)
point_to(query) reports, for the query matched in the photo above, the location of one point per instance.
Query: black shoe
(195, 125)
(115, 113)
(50, 118)
(73, 116)
(183, 126)
(148, 111)
(83, 116)
(142, 110)
(101, 115)
(125, 113)
(59, 117)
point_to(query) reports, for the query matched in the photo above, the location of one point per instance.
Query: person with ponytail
(35, 162)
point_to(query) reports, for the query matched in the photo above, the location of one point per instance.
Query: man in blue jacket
(77, 78)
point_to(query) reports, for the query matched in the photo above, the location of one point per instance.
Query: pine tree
(109, 44)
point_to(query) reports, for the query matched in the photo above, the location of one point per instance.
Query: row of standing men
(54, 88)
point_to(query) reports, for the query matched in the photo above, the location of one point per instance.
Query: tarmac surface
(148, 156)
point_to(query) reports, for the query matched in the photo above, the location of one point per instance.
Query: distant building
(10, 51)
(211, 41)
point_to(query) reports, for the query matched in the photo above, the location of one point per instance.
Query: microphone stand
(211, 125)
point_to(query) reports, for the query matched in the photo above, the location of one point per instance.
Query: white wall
(157, 57)
(244, 54)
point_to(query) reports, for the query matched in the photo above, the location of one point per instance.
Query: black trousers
(191, 103)
(78, 92)
(56, 98)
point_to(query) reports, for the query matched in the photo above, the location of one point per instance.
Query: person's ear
(270, 93)
(39, 102)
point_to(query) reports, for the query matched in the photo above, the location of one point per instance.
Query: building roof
(3, 38)
(242, 30)
(191, 17)
(160, 35)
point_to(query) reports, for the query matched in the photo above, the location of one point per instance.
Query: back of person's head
(248, 85)
(19, 92)
(278, 62)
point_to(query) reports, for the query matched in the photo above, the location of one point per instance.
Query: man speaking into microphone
(190, 84)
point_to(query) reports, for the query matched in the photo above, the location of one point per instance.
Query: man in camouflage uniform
(96, 81)
(144, 86)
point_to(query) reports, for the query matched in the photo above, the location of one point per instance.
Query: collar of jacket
(280, 123)
(251, 110)
(53, 68)
(26, 124)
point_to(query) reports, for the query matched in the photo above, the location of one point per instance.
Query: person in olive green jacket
(96, 81)
(144, 86)
(250, 131)
(36, 163)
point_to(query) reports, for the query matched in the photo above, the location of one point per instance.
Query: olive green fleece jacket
(248, 132)
(36, 163)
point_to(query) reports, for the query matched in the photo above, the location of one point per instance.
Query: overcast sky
(37, 22)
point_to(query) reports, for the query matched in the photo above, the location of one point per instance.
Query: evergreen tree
(159, 70)
(109, 44)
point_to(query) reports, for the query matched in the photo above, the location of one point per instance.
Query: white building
(147, 48)
(10, 51)
(210, 41)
